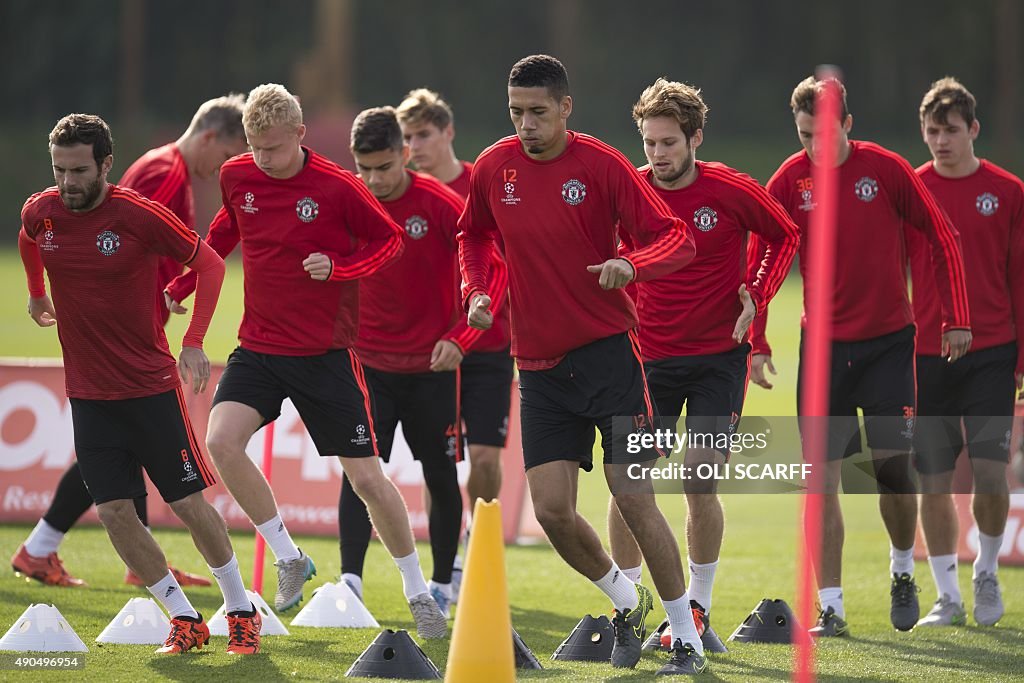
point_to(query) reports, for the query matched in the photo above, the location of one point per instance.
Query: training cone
(772, 621)
(590, 641)
(483, 607)
(525, 659)
(272, 626)
(140, 622)
(42, 628)
(334, 605)
(393, 654)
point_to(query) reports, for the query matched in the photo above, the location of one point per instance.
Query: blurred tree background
(145, 65)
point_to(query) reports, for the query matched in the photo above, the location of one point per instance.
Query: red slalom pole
(260, 549)
(821, 247)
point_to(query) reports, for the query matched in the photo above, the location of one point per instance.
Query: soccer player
(695, 320)
(873, 336)
(162, 175)
(986, 203)
(412, 345)
(309, 230)
(486, 372)
(101, 245)
(559, 199)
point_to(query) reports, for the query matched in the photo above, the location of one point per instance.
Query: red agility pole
(821, 249)
(268, 460)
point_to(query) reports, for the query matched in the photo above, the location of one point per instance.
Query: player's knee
(369, 483)
(222, 447)
(894, 476)
(990, 481)
(190, 508)
(702, 502)
(555, 517)
(116, 515)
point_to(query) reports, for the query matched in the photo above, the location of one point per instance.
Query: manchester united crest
(108, 242)
(866, 189)
(705, 218)
(307, 210)
(987, 203)
(416, 227)
(574, 192)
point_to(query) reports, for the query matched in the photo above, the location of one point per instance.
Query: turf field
(547, 598)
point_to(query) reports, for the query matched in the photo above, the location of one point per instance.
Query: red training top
(414, 301)
(987, 208)
(162, 175)
(557, 217)
(693, 311)
(99, 262)
(878, 194)
(322, 209)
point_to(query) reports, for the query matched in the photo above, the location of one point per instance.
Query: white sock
(832, 597)
(445, 588)
(944, 573)
(413, 583)
(277, 537)
(170, 595)
(702, 579)
(634, 573)
(988, 554)
(901, 561)
(680, 620)
(231, 586)
(356, 581)
(43, 540)
(619, 589)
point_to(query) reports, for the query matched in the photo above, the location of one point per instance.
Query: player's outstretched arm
(222, 237)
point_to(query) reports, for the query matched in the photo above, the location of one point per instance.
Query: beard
(82, 200)
(675, 175)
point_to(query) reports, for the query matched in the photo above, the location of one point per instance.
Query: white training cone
(42, 628)
(272, 626)
(335, 605)
(140, 622)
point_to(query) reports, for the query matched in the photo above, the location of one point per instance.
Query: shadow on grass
(198, 665)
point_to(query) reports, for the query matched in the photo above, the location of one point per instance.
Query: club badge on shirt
(987, 203)
(574, 192)
(307, 210)
(705, 218)
(108, 242)
(416, 227)
(866, 189)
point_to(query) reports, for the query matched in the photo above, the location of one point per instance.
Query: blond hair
(270, 105)
(679, 101)
(424, 106)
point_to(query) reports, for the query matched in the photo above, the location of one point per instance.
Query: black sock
(70, 500)
(353, 529)
(445, 517)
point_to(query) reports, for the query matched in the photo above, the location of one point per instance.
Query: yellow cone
(481, 648)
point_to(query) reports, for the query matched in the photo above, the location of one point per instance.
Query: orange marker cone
(481, 648)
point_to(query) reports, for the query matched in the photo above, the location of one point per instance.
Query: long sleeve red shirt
(879, 194)
(557, 217)
(987, 208)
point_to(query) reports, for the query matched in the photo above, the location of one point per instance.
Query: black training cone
(525, 659)
(772, 621)
(661, 640)
(393, 654)
(590, 641)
